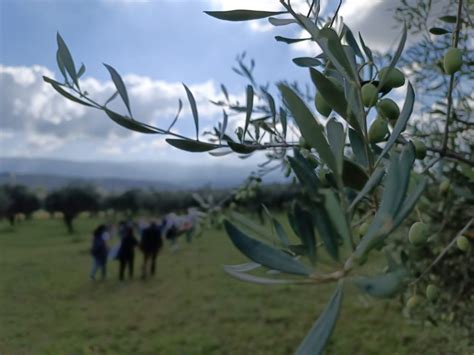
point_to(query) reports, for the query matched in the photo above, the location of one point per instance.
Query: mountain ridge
(117, 176)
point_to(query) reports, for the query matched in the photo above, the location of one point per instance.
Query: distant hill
(50, 182)
(113, 176)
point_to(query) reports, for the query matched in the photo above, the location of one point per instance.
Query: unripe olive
(322, 105)
(388, 109)
(394, 78)
(432, 292)
(378, 130)
(413, 301)
(363, 229)
(420, 149)
(463, 243)
(287, 170)
(444, 186)
(418, 233)
(452, 61)
(369, 95)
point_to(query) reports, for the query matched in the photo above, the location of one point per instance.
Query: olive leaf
(319, 334)
(264, 254)
(120, 85)
(191, 146)
(242, 15)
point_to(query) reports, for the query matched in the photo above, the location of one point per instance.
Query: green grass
(49, 306)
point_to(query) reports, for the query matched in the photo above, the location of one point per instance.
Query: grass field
(49, 306)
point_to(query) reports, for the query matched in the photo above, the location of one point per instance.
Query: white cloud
(373, 18)
(37, 121)
(300, 6)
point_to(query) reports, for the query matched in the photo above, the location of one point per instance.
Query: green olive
(287, 170)
(420, 149)
(392, 79)
(322, 105)
(378, 130)
(413, 301)
(369, 95)
(432, 292)
(463, 243)
(363, 229)
(444, 186)
(418, 233)
(388, 109)
(452, 61)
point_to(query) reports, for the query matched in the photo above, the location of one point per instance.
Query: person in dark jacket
(151, 244)
(126, 253)
(99, 251)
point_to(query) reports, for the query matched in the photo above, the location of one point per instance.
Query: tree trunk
(11, 219)
(68, 222)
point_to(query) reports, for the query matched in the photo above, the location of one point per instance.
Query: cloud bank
(37, 121)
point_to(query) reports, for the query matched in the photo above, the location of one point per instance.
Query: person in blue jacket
(99, 251)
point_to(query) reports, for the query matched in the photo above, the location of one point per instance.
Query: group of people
(150, 242)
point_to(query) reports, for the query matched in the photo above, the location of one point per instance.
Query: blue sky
(166, 40)
(155, 45)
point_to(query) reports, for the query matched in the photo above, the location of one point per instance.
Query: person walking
(126, 253)
(151, 244)
(99, 251)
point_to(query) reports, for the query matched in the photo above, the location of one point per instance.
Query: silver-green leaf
(242, 15)
(120, 85)
(264, 254)
(319, 334)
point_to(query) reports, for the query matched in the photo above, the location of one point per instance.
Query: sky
(156, 46)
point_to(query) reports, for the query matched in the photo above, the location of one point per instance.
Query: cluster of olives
(387, 109)
(418, 235)
(432, 294)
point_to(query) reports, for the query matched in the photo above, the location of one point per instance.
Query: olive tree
(16, 199)
(70, 201)
(354, 159)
